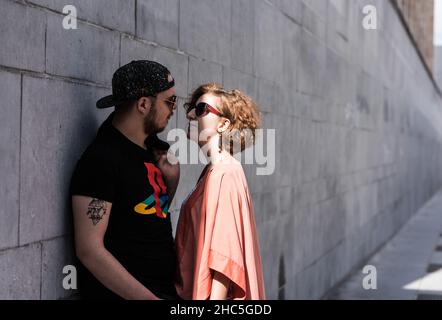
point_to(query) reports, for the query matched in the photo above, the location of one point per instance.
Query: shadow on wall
(85, 127)
(281, 279)
(84, 122)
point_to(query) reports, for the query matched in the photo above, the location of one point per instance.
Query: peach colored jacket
(216, 231)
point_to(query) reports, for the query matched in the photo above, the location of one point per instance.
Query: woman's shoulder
(228, 167)
(227, 174)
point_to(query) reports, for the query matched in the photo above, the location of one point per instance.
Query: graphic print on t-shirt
(158, 202)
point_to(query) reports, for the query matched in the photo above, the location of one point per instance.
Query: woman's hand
(171, 172)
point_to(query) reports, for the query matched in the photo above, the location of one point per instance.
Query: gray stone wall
(438, 65)
(358, 124)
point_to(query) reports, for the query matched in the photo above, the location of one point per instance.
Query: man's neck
(130, 129)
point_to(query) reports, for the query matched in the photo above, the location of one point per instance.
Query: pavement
(408, 267)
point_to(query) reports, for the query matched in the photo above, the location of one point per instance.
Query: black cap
(137, 79)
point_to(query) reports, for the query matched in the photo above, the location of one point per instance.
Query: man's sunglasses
(171, 102)
(202, 109)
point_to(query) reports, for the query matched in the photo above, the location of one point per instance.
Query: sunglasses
(171, 102)
(202, 109)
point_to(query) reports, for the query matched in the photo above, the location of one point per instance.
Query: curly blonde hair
(243, 113)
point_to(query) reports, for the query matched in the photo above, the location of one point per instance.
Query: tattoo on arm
(96, 210)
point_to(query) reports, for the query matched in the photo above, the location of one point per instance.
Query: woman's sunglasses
(202, 109)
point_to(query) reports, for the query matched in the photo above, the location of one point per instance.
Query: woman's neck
(214, 155)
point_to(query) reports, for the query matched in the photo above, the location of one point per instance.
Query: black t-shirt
(139, 233)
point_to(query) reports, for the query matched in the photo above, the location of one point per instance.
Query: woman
(216, 241)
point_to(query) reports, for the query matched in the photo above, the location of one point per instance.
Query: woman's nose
(191, 115)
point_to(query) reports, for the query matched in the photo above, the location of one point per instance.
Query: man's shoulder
(100, 151)
(95, 173)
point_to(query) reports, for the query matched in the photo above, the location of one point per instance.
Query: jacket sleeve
(225, 212)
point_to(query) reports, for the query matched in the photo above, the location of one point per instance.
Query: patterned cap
(137, 79)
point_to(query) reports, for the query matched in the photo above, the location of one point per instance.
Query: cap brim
(106, 102)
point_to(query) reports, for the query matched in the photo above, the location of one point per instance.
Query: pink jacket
(216, 231)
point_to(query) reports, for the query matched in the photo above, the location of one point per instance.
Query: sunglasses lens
(172, 102)
(200, 109)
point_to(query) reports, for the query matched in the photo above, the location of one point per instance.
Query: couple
(123, 184)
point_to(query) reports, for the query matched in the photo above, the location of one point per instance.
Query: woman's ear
(223, 125)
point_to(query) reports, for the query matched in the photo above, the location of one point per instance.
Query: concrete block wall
(358, 124)
(438, 65)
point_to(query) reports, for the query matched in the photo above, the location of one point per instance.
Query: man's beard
(150, 125)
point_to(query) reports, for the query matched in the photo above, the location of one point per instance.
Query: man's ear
(144, 105)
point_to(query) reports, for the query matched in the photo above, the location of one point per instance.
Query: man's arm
(91, 217)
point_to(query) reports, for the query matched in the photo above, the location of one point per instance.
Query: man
(121, 190)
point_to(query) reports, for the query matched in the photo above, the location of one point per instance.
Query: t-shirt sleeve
(94, 176)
